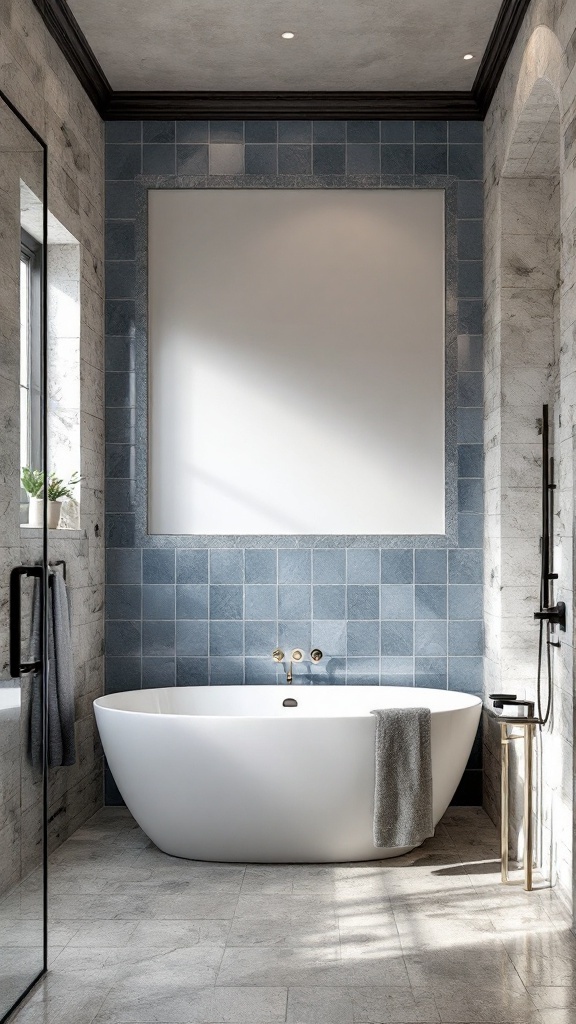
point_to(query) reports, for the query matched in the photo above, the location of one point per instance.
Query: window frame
(31, 254)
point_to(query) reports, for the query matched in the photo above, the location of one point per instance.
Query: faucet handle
(316, 654)
(278, 655)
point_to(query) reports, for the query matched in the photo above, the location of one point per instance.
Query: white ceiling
(237, 44)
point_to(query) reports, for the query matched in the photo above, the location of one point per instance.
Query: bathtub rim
(101, 702)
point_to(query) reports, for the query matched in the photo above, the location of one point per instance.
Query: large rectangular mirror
(285, 331)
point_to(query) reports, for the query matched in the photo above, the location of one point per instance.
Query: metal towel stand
(527, 727)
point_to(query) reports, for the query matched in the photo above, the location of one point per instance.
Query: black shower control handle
(555, 615)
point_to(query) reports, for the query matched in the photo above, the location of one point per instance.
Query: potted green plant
(33, 483)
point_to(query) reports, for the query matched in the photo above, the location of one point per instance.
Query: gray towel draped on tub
(403, 777)
(61, 745)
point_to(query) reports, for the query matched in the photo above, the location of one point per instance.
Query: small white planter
(54, 510)
(35, 513)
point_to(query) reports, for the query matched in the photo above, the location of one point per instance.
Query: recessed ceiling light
(468, 56)
(287, 35)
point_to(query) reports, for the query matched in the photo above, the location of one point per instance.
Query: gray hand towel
(61, 742)
(403, 777)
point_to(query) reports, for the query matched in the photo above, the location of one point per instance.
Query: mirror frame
(444, 183)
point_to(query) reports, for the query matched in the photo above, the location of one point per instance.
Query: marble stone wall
(37, 79)
(530, 314)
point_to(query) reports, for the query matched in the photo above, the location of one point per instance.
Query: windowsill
(36, 533)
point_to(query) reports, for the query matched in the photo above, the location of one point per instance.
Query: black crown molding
(500, 43)
(66, 31)
(120, 105)
(293, 105)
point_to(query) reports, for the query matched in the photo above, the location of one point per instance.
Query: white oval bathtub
(227, 773)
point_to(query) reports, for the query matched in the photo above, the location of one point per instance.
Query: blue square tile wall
(383, 615)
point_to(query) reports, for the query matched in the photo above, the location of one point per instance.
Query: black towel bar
(17, 666)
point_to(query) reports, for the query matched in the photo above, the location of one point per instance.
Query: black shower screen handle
(17, 666)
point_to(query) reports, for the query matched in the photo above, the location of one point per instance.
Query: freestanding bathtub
(228, 773)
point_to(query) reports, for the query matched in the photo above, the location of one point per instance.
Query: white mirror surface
(296, 361)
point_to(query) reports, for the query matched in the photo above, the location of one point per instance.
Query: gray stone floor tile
(436, 969)
(535, 969)
(19, 966)
(388, 1005)
(438, 929)
(553, 997)
(369, 951)
(369, 932)
(176, 868)
(468, 1004)
(295, 932)
(279, 966)
(557, 1016)
(100, 856)
(167, 1000)
(180, 933)
(308, 1005)
(161, 883)
(281, 905)
(442, 906)
(77, 886)
(64, 882)
(542, 944)
(27, 906)
(63, 1001)
(197, 965)
(150, 905)
(114, 934)
(377, 971)
(138, 937)
(18, 932)
(308, 967)
(263, 879)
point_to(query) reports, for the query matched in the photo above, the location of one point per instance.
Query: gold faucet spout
(296, 655)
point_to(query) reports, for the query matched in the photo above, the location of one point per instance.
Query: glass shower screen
(22, 559)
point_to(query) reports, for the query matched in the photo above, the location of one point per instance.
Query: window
(30, 354)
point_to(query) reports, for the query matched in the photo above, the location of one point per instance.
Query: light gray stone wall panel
(530, 245)
(37, 79)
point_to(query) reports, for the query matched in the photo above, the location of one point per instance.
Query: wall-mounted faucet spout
(296, 655)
